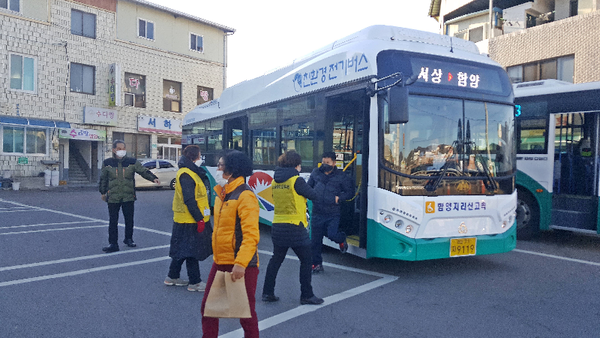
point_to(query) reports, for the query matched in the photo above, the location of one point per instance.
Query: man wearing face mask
(325, 217)
(117, 186)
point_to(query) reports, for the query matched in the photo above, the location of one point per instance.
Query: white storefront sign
(82, 134)
(101, 116)
(159, 125)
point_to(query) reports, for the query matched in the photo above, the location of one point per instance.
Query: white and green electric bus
(558, 128)
(422, 123)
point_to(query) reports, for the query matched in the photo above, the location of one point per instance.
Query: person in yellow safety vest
(290, 192)
(191, 221)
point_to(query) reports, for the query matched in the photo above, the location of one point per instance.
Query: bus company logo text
(355, 64)
(529, 158)
(431, 207)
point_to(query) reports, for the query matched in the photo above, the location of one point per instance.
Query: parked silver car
(165, 170)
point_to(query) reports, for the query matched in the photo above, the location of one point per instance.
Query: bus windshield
(450, 146)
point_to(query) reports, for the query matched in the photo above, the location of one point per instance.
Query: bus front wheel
(528, 216)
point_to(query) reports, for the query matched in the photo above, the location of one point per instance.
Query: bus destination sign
(463, 76)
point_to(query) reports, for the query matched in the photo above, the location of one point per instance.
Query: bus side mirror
(397, 98)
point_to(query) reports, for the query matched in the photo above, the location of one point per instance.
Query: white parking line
(81, 272)
(44, 224)
(20, 210)
(304, 309)
(49, 230)
(263, 324)
(84, 217)
(557, 257)
(68, 260)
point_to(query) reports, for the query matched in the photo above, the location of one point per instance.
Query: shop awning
(34, 122)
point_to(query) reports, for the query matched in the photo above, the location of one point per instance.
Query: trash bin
(16, 185)
(54, 179)
(47, 177)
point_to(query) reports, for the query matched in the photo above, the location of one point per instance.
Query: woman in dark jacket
(191, 218)
(290, 192)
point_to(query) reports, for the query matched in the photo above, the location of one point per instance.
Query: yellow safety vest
(290, 207)
(181, 214)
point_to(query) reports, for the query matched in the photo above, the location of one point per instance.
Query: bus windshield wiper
(490, 182)
(432, 184)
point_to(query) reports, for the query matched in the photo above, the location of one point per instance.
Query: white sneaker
(200, 287)
(177, 281)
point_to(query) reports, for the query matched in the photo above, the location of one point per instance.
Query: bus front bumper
(385, 243)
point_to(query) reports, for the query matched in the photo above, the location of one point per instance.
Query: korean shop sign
(100, 116)
(82, 134)
(159, 125)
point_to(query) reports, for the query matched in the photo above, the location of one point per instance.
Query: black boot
(111, 248)
(129, 243)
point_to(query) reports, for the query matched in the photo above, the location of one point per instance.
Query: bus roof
(547, 87)
(346, 60)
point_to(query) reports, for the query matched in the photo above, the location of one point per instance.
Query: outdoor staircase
(77, 174)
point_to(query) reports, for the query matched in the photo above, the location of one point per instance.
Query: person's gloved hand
(200, 225)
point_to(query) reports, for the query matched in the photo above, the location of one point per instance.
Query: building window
(13, 5)
(137, 145)
(22, 73)
(171, 96)
(146, 29)
(561, 68)
(197, 43)
(82, 78)
(205, 94)
(573, 8)
(83, 24)
(24, 140)
(476, 34)
(135, 90)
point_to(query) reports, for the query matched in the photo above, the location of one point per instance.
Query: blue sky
(272, 33)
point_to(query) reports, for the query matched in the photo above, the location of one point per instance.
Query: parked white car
(165, 170)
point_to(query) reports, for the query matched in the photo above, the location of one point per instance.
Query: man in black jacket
(117, 186)
(325, 217)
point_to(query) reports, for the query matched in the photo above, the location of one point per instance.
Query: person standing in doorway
(290, 192)
(117, 186)
(325, 217)
(191, 221)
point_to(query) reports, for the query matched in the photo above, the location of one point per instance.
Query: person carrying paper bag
(236, 213)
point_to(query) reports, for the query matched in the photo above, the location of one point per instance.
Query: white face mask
(219, 178)
(199, 162)
(121, 153)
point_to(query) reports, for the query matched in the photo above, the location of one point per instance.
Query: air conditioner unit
(129, 99)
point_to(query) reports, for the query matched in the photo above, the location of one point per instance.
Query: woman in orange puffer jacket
(235, 237)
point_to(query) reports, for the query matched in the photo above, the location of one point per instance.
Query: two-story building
(78, 74)
(534, 40)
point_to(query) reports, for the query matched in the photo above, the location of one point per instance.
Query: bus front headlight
(399, 224)
(387, 219)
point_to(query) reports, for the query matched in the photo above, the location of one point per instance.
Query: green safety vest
(290, 207)
(181, 214)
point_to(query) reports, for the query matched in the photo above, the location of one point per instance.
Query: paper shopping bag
(226, 298)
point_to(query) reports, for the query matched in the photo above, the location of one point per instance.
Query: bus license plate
(463, 246)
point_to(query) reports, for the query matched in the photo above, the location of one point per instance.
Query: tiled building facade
(534, 40)
(78, 74)
(578, 36)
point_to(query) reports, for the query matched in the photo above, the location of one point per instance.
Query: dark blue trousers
(320, 226)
